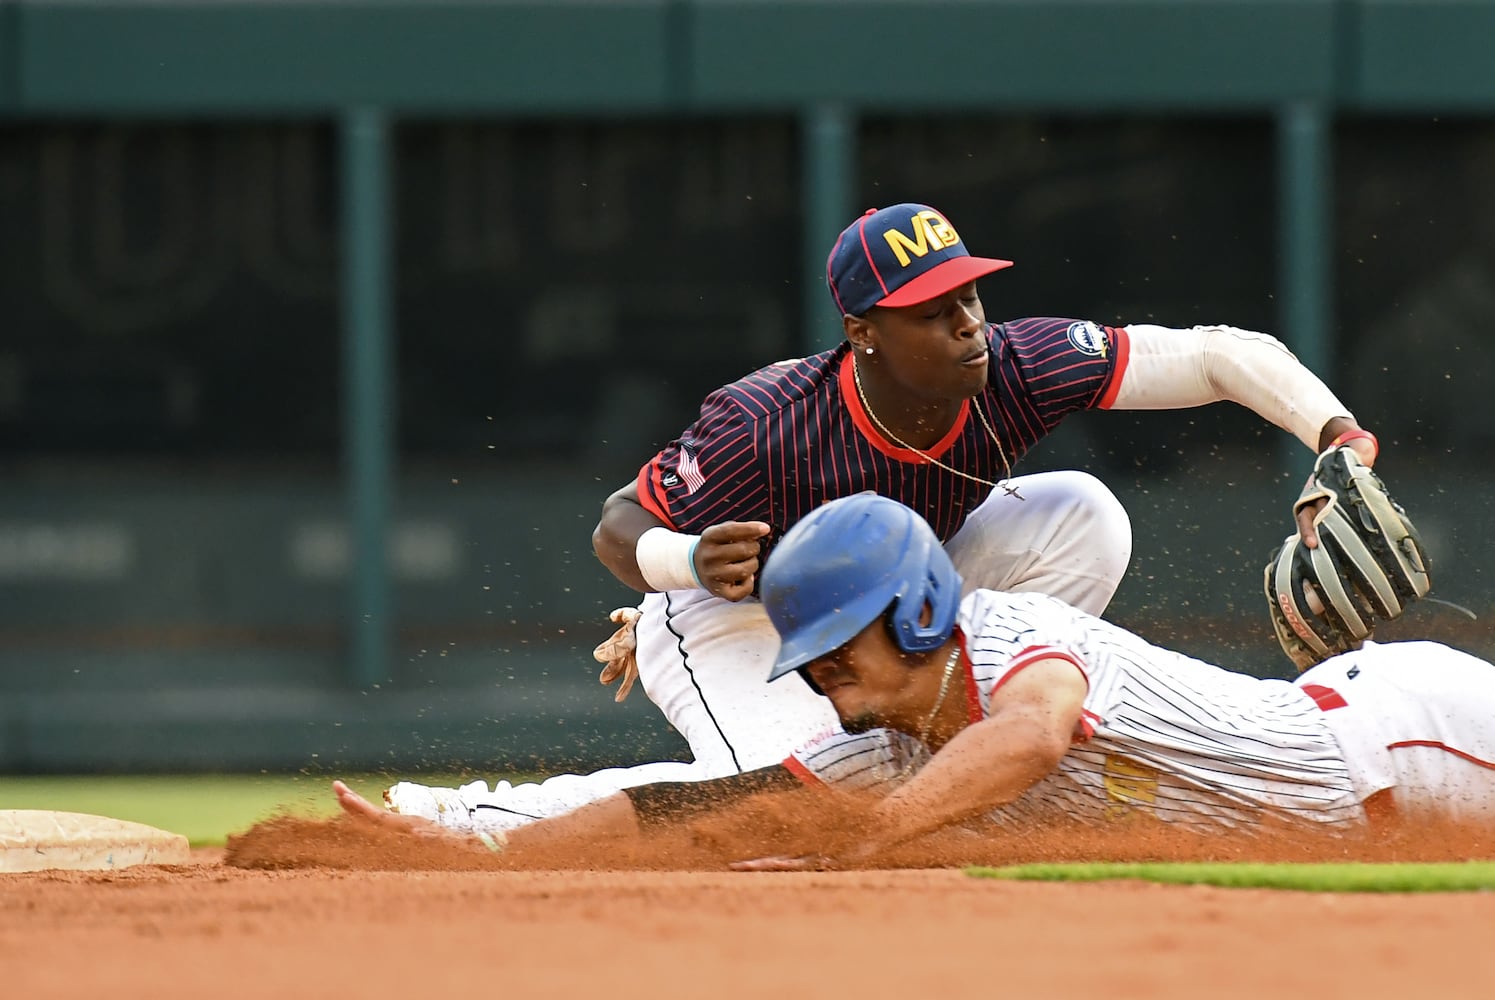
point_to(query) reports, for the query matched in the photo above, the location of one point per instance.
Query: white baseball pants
(1417, 718)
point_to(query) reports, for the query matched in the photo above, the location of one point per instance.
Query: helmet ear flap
(939, 591)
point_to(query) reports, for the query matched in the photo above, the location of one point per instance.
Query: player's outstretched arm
(1034, 718)
(606, 821)
(1031, 725)
(1176, 369)
(616, 819)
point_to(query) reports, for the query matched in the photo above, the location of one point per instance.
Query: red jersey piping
(797, 768)
(875, 437)
(648, 484)
(1032, 654)
(1121, 343)
(973, 694)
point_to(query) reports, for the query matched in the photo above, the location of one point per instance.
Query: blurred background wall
(325, 328)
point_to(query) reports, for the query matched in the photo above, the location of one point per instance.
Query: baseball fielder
(1023, 709)
(925, 402)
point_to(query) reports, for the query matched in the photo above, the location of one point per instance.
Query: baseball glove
(619, 652)
(1368, 566)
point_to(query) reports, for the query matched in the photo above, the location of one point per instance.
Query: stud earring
(869, 350)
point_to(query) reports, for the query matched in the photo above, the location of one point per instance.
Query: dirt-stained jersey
(1161, 733)
(782, 441)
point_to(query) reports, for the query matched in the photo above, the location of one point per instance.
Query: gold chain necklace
(1006, 487)
(939, 703)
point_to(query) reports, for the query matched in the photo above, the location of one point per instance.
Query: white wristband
(666, 559)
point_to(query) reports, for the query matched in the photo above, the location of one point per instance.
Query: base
(34, 840)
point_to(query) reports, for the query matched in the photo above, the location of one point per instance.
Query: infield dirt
(208, 930)
(303, 908)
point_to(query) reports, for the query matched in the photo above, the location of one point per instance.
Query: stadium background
(325, 328)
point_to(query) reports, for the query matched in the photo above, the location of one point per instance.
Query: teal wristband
(691, 558)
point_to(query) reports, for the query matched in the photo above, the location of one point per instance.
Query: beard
(863, 722)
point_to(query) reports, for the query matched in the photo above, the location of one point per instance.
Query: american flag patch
(690, 472)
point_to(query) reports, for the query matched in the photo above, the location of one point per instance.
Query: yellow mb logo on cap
(931, 232)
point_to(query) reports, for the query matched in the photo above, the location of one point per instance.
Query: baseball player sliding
(1021, 709)
(924, 402)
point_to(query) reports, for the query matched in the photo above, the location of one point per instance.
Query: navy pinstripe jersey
(782, 441)
(1161, 733)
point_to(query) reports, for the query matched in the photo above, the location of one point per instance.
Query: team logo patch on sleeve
(1088, 339)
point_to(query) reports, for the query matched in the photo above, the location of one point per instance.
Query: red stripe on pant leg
(1442, 746)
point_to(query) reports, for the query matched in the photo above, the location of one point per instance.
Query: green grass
(204, 808)
(207, 808)
(1335, 877)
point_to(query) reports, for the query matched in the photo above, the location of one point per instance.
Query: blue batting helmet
(843, 565)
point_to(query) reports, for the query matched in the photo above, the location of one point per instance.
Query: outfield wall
(328, 326)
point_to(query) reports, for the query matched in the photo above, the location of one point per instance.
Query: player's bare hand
(727, 557)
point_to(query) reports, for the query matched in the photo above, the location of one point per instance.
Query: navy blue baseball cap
(900, 256)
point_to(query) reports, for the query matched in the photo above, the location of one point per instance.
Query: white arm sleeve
(1172, 369)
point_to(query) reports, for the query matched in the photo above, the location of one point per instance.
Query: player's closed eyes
(965, 300)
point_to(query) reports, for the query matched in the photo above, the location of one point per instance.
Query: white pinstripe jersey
(1167, 734)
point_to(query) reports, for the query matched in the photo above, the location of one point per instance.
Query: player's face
(936, 349)
(871, 682)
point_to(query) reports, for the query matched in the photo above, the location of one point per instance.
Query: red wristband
(1357, 434)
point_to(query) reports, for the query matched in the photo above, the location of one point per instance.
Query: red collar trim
(875, 437)
(973, 695)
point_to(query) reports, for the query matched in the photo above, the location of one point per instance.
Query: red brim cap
(941, 278)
